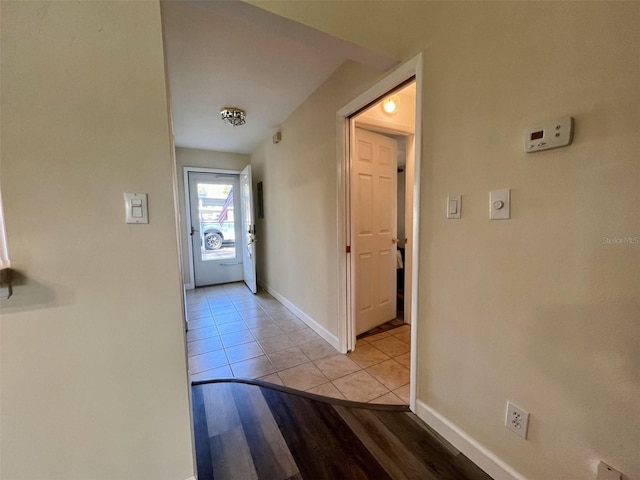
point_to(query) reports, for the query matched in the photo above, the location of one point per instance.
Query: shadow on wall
(29, 294)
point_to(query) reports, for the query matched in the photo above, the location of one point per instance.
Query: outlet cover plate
(605, 472)
(517, 420)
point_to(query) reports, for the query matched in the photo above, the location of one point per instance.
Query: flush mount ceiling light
(391, 104)
(233, 116)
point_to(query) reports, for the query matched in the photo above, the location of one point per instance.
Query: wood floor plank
(437, 457)
(231, 456)
(321, 443)
(271, 456)
(400, 462)
(297, 476)
(204, 462)
(221, 409)
(436, 436)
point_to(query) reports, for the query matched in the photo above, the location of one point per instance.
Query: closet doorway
(381, 157)
(401, 121)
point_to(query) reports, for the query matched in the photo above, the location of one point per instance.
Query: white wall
(191, 157)
(93, 371)
(539, 309)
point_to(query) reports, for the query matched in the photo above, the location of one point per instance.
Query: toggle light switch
(454, 206)
(136, 208)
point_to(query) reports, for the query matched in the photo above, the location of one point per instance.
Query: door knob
(394, 240)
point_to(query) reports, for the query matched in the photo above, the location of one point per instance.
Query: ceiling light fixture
(233, 116)
(391, 104)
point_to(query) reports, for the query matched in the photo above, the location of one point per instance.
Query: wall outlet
(605, 472)
(517, 420)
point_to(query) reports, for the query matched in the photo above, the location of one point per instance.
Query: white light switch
(454, 206)
(136, 208)
(500, 204)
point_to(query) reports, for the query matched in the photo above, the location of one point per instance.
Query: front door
(374, 174)
(248, 230)
(215, 226)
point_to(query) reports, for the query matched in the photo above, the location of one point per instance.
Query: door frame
(404, 72)
(187, 212)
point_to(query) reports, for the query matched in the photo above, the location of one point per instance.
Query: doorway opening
(379, 175)
(381, 158)
(220, 218)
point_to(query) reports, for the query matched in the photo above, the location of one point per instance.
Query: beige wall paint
(93, 375)
(372, 24)
(191, 157)
(538, 309)
(297, 239)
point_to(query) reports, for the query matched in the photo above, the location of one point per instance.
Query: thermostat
(552, 134)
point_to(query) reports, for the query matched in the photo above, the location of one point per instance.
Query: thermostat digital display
(537, 135)
(552, 134)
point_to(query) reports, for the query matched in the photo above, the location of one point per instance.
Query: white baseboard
(473, 450)
(311, 323)
(192, 477)
(189, 286)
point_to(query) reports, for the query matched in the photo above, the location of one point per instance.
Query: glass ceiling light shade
(391, 104)
(233, 116)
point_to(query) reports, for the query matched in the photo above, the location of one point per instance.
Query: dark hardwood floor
(254, 431)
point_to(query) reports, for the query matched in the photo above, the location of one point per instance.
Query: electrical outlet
(605, 472)
(517, 420)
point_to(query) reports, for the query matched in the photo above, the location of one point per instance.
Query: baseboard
(192, 477)
(311, 323)
(477, 453)
(189, 286)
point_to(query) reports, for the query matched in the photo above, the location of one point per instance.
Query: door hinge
(348, 248)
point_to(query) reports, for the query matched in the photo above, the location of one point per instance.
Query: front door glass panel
(216, 215)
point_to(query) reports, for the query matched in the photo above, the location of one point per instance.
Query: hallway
(233, 333)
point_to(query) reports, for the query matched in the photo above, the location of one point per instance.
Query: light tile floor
(233, 333)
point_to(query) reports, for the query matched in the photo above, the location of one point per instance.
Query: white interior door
(248, 235)
(213, 203)
(374, 174)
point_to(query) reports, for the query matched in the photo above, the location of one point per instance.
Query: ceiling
(232, 54)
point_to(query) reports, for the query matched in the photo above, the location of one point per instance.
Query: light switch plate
(500, 204)
(454, 206)
(136, 210)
